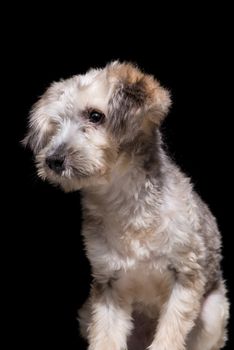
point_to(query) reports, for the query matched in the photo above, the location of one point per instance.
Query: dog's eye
(96, 117)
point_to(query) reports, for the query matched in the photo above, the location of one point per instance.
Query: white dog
(153, 245)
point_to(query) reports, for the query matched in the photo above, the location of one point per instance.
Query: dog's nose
(56, 163)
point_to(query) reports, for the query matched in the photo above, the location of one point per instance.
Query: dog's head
(79, 127)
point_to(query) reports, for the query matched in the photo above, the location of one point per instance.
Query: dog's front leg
(110, 319)
(179, 313)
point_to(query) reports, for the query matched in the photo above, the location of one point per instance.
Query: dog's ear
(136, 93)
(39, 128)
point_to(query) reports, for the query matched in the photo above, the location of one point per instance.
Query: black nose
(56, 163)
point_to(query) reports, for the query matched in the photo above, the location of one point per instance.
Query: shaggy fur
(153, 245)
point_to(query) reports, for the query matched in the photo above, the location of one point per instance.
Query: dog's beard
(74, 177)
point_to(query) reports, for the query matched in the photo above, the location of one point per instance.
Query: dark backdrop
(49, 273)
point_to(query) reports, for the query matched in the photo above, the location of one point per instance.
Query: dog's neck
(136, 173)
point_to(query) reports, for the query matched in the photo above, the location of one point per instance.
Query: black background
(190, 54)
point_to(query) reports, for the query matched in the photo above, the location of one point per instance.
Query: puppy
(153, 245)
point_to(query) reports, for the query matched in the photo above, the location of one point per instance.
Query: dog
(153, 244)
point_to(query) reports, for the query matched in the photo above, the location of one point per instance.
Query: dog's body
(153, 245)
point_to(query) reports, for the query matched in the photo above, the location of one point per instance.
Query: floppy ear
(39, 128)
(136, 93)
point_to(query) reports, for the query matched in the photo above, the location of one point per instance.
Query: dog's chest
(127, 241)
(129, 249)
(143, 273)
(113, 249)
(133, 265)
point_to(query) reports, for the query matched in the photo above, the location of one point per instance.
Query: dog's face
(81, 126)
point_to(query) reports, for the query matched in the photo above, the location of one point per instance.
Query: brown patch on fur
(137, 97)
(138, 84)
(130, 75)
